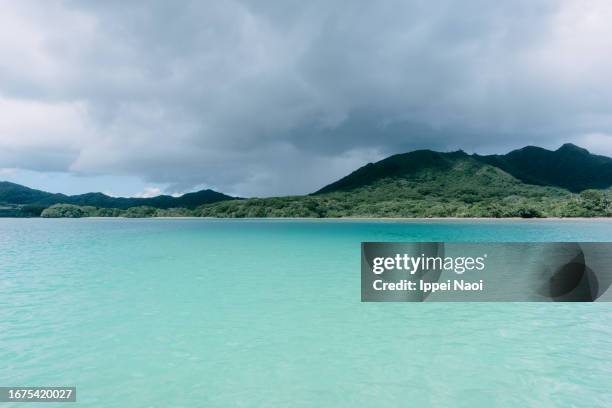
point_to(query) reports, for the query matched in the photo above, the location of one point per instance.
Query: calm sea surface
(215, 313)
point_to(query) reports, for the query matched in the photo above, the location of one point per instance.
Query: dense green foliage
(15, 194)
(19, 210)
(570, 167)
(76, 211)
(417, 184)
(386, 199)
(68, 211)
(467, 189)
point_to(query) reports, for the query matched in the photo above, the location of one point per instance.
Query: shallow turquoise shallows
(250, 313)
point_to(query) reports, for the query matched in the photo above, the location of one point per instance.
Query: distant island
(528, 183)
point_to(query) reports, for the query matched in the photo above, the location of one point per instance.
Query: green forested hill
(454, 185)
(407, 165)
(15, 194)
(569, 167)
(530, 182)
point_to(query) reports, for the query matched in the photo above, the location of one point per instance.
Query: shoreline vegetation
(527, 183)
(587, 204)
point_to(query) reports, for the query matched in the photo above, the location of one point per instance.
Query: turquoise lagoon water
(214, 313)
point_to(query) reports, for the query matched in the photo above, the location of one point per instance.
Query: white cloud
(267, 98)
(597, 142)
(148, 192)
(7, 171)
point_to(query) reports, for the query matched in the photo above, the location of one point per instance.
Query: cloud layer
(281, 97)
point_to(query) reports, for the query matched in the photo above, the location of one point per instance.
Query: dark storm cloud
(255, 97)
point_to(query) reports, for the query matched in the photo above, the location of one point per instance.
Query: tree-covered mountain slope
(569, 167)
(11, 193)
(443, 185)
(529, 182)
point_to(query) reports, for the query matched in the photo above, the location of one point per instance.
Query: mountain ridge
(570, 167)
(527, 182)
(13, 193)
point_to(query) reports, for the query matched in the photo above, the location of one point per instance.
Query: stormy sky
(282, 97)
